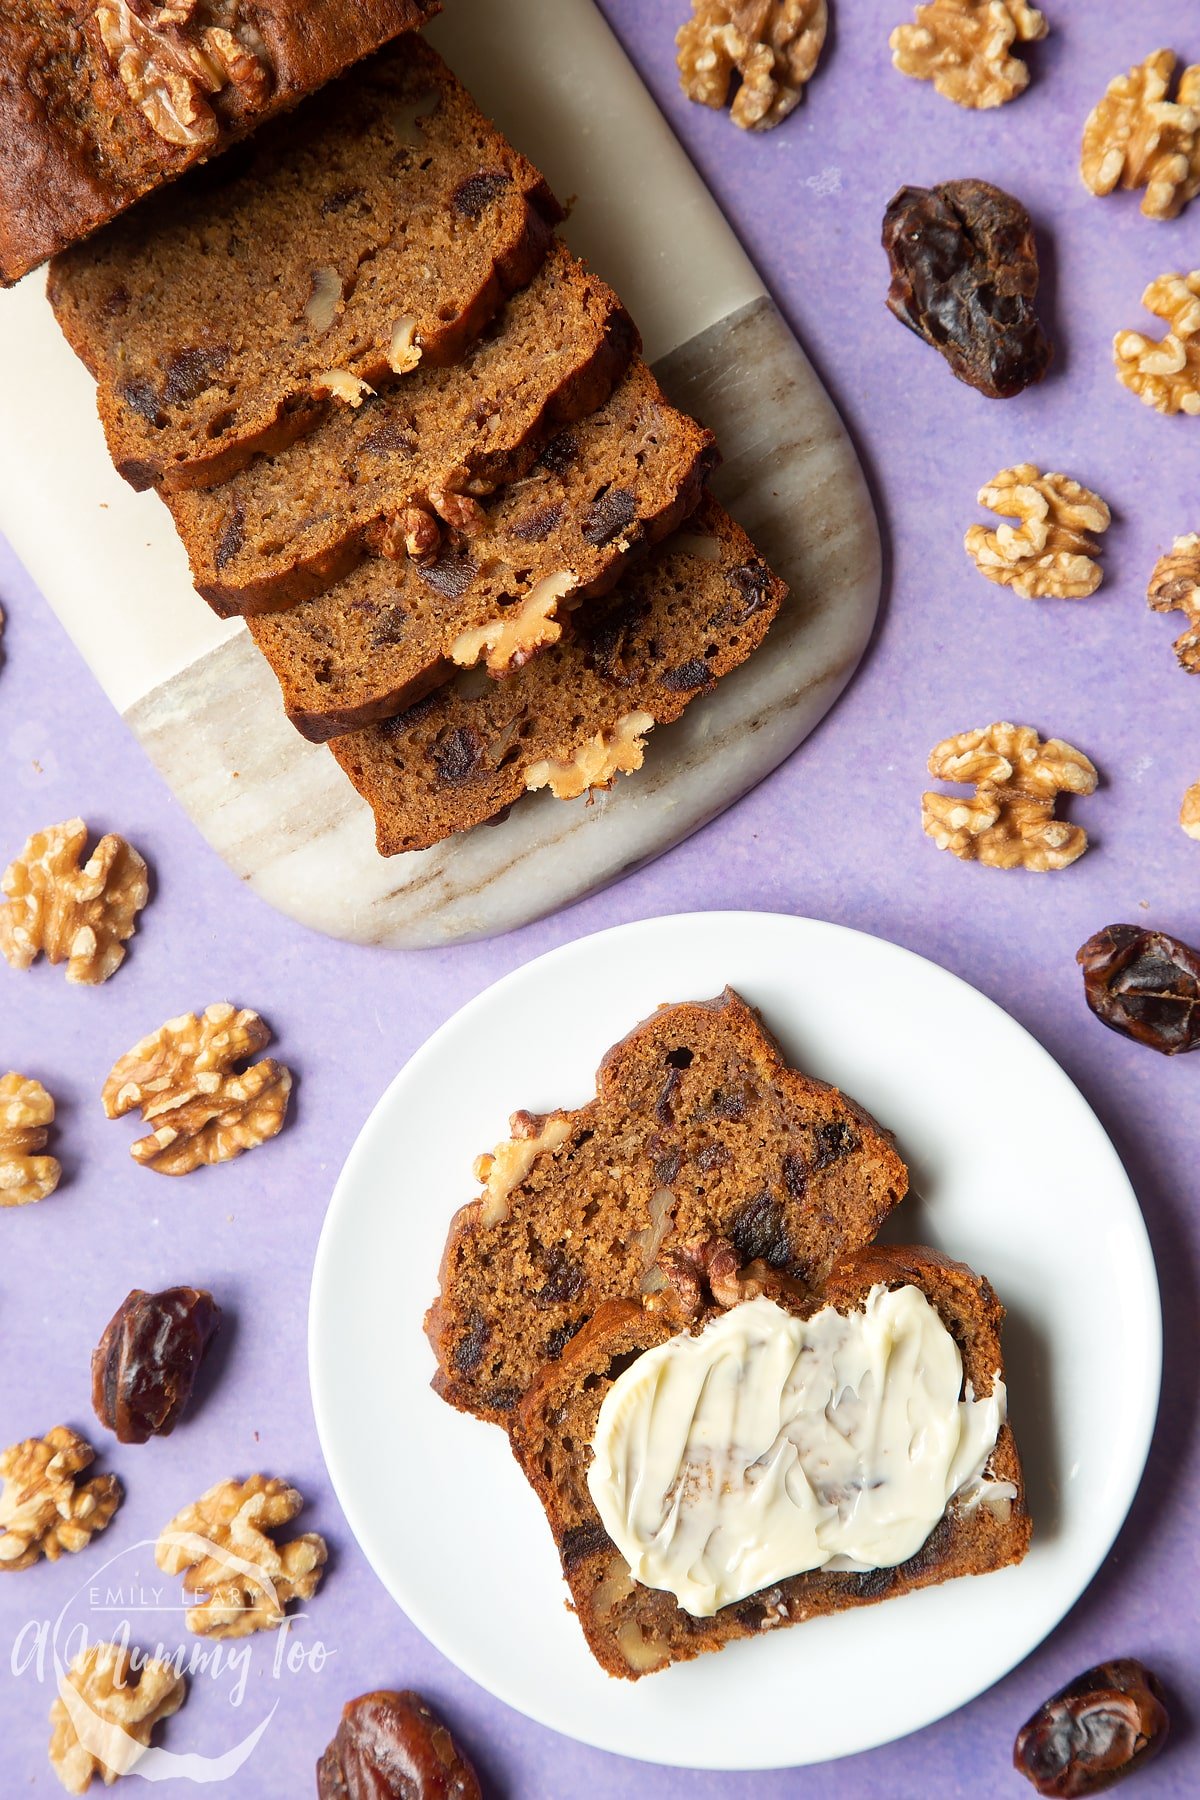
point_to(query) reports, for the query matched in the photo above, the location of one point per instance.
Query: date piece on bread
(375, 644)
(102, 101)
(290, 525)
(378, 228)
(575, 717)
(698, 1128)
(765, 1454)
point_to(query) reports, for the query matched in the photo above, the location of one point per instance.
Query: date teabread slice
(698, 1128)
(633, 1630)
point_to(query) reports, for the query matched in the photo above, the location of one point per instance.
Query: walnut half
(1165, 372)
(240, 1579)
(26, 1114)
(44, 1510)
(106, 1711)
(1136, 138)
(764, 52)
(965, 48)
(1051, 552)
(596, 763)
(185, 1079)
(1009, 821)
(1175, 587)
(81, 916)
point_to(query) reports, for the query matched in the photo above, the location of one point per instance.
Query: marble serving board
(205, 706)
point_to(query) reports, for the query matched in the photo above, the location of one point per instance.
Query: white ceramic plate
(1040, 1204)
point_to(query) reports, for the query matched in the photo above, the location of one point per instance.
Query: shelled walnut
(106, 1712)
(223, 1546)
(1136, 138)
(385, 1739)
(44, 1510)
(965, 48)
(1189, 812)
(1051, 553)
(1165, 372)
(81, 916)
(763, 52)
(26, 1113)
(184, 1078)
(1175, 587)
(596, 763)
(1009, 822)
(173, 58)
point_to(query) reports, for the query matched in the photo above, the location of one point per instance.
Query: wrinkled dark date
(1145, 985)
(1098, 1729)
(392, 1747)
(145, 1365)
(965, 278)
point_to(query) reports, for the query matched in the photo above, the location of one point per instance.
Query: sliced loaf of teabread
(377, 642)
(633, 1630)
(698, 1128)
(576, 716)
(377, 229)
(372, 474)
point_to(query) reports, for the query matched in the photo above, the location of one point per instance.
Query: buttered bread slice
(736, 1454)
(378, 229)
(698, 1128)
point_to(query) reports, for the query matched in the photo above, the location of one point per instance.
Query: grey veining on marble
(284, 817)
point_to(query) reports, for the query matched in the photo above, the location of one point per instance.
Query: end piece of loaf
(698, 1129)
(375, 644)
(634, 1630)
(574, 717)
(289, 526)
(377, 229)
(102, 101)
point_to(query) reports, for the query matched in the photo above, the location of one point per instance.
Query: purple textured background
(835, 834)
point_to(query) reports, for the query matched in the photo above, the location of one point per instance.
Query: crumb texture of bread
(379, 227)
(76, 147)
(289, 526)
(699, 1128)
(683, 617)
(375, 644)
(634, 1630)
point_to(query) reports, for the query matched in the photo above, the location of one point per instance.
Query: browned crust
(63, 176)
(965, 1543)
(746, 1029)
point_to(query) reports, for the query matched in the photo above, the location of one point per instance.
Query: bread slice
(577, 715)
(377, 229)
(634, 1630)
(82, 137)
(289, 526)
(380, 640)
(698, 1128)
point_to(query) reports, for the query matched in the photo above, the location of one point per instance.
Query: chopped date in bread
(575, 1212)
(101, 103)
(309, 515)
(394, 221)
(634, 1630)
(372, 646)
(576, 715)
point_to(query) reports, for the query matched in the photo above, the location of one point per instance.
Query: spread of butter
(767, 1445)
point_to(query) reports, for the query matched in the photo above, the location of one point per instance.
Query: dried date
(390, 1746)
(1095, 1731)
(145, 1365)
(1145, 985)
(965, 278)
